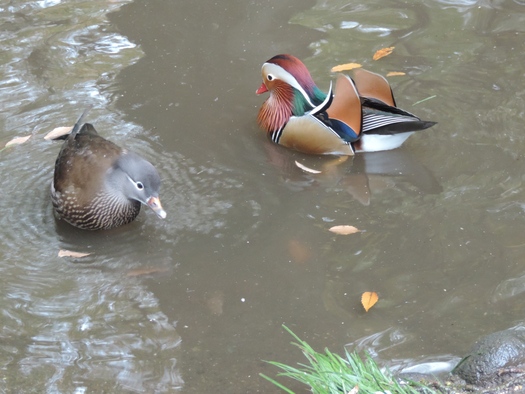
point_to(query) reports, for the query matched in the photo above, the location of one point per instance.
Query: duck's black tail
(74, 131)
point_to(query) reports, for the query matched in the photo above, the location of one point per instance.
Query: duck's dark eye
(139, 185)
(269, 77)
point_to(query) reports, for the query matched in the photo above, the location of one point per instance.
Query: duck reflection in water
(361, 176)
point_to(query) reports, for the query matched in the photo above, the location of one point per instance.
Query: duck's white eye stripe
(277, 72)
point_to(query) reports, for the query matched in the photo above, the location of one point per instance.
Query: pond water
(195, 303)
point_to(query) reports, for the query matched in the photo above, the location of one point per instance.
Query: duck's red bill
(262, 89)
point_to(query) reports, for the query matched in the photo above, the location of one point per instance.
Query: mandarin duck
(99, 185)
(361, 116)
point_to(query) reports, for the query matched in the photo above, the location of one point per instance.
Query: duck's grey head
(135, 178)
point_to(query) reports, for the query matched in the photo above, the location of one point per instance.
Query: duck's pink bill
(262, 89)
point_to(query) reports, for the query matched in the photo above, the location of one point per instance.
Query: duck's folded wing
(380, 118)
(373, 85)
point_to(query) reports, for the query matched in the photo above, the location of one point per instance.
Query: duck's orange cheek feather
(273, 115)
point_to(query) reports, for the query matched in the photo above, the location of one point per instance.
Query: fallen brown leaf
(17, 141)
(57, 132)
(344, 230)
(395, 73)
(369, 299)
(382, 53)
(307, 169)
(69, 253)
(345, 67)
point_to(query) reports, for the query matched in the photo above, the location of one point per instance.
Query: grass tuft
(329, 373)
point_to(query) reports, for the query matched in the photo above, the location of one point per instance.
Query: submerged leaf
(215, 303)
(369, 299)
(335, 162)
(299, 251)
(382, 53)
(425, 99)
(69, 253)
(57, 132)
(345, 67)
(17, 141)
(307, 169)
(146, 271)
(344, 230)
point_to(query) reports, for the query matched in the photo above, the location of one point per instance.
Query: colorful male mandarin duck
(360, 117)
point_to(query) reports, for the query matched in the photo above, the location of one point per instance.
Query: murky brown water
(196, 302)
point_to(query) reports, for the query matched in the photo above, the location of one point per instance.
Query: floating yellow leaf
(344, 230)
(304, 168)
(369, 299)
(17, 140)
(382, 53)
(345, 67)
(69, 253)
(57, 132)
(395, 73)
